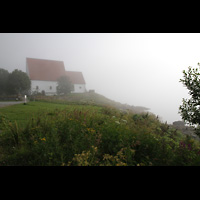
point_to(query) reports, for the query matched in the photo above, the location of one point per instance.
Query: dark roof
(75, 77)
(44, 70)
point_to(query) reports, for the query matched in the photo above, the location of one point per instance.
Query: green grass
(44, 133)
(23, 113)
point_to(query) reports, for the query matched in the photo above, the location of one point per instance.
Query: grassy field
(56, 133)
(23, 113)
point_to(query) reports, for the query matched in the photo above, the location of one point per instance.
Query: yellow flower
(43, 139)
(91, 130)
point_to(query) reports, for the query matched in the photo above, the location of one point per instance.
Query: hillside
(93, 99)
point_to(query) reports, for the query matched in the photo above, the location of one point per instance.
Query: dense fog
(140, 69)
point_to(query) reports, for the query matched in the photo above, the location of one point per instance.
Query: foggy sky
(137, 69)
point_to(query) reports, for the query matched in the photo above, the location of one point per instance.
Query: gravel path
(9, 103)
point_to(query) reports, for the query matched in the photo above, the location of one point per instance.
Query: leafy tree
(190, 108)
(18, 82)
(3, 81)
(64, 85)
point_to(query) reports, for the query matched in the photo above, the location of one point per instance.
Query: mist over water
(137, 69)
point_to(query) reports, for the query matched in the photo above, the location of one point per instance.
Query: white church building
(45, 73)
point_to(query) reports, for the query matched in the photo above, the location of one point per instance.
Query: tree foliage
(3, 80)
(190, 108)
(16, 82)
(64, 85)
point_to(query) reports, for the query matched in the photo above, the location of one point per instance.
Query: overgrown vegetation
(80, 135)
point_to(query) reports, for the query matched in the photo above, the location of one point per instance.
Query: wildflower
(94, 148)
(117, 122)
(182, 144)
(43, 139)
(91, 130)
(189, 147)
(123, 120)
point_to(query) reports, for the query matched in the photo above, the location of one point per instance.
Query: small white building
(45, 73)
(77, 80)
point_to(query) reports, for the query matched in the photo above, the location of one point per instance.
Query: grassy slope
(95, 99)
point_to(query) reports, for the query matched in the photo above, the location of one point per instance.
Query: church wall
(48, 86)
(79, 88)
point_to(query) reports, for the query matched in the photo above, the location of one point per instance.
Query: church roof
(75, 77)
(44, 70)
(51, 70)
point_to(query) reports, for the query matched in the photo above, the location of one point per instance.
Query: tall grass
(95, 137)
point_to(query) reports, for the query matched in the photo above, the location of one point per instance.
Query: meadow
(22, 113)
(61, 134)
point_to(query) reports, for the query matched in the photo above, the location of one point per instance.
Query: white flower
(117, 122)
(125, 121)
